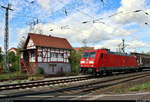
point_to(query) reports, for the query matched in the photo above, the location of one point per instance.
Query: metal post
(123, 47)
(6, 66)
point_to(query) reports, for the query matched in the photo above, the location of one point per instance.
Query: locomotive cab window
(92, 54)
(89, 54)
(102, 55)
(86, 55)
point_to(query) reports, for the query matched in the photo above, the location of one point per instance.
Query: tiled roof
(82, 48)
(15, 49)
(48, 41)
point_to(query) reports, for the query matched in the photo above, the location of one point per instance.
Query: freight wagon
(143, 60)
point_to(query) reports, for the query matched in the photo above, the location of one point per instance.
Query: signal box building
(47, 52)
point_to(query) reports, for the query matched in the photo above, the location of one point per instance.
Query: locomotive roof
(118, 53)
(110, 52)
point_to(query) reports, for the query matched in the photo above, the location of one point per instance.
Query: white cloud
(76, 31)
(128, 16)
(22, 33)
(131, 46)
(52, 5)
(111, 44)
(137, 44)
(1, 32)
(132, 4)
(45, 4)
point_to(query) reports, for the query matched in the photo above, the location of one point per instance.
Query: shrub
(40, 70)
(74, 60)
(60, 73)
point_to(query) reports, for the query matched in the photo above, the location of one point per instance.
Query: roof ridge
(44, 35)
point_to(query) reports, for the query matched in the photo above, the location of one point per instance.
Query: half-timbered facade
(47, 52)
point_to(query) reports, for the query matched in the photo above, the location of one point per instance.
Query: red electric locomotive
(102, 61)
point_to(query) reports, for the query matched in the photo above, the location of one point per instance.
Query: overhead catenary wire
(97, 20)
(86, 14)
(117, 14)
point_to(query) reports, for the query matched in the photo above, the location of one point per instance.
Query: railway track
(89, 87)
(44, 82)
(107, 86)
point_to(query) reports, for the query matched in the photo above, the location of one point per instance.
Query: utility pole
(123, 47)
(6, 37)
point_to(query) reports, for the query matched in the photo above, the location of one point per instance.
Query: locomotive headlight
(91, 62)
(82, 61)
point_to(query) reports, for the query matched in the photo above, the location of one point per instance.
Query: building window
(32, 56)
(53, 69)
(53, 56)
(61, 69)
(39, 56)
(60, 56)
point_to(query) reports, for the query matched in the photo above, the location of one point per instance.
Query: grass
(14, 75)
(10, 75)
(145, 86)
(33, 78)
(135, 88)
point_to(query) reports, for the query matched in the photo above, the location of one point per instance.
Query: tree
(1, 56)
(143, 52)
(74, 60)
(13, 62)
(20, 46)
(1, 60)
(148, 53)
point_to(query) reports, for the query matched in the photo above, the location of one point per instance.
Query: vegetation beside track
(135, 87)
(139, 87)
(23, 76)
(12, 75)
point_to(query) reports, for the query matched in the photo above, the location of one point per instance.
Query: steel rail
(99, 83)
(42, 83)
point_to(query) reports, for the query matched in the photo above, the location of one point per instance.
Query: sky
(100, 23)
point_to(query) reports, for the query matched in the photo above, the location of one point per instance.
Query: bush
(60, 73)
(13, 62)
(40, 70)
(74, 60)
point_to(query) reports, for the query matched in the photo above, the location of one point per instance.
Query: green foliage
(40, 71)
(1, 60)
(148, 53)
(33, 78)
(74, 60)
(145, 86)
(20, 46)
(1, 57)
(11, 57)
(61, 73)
(11, 75)
(13, 62)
